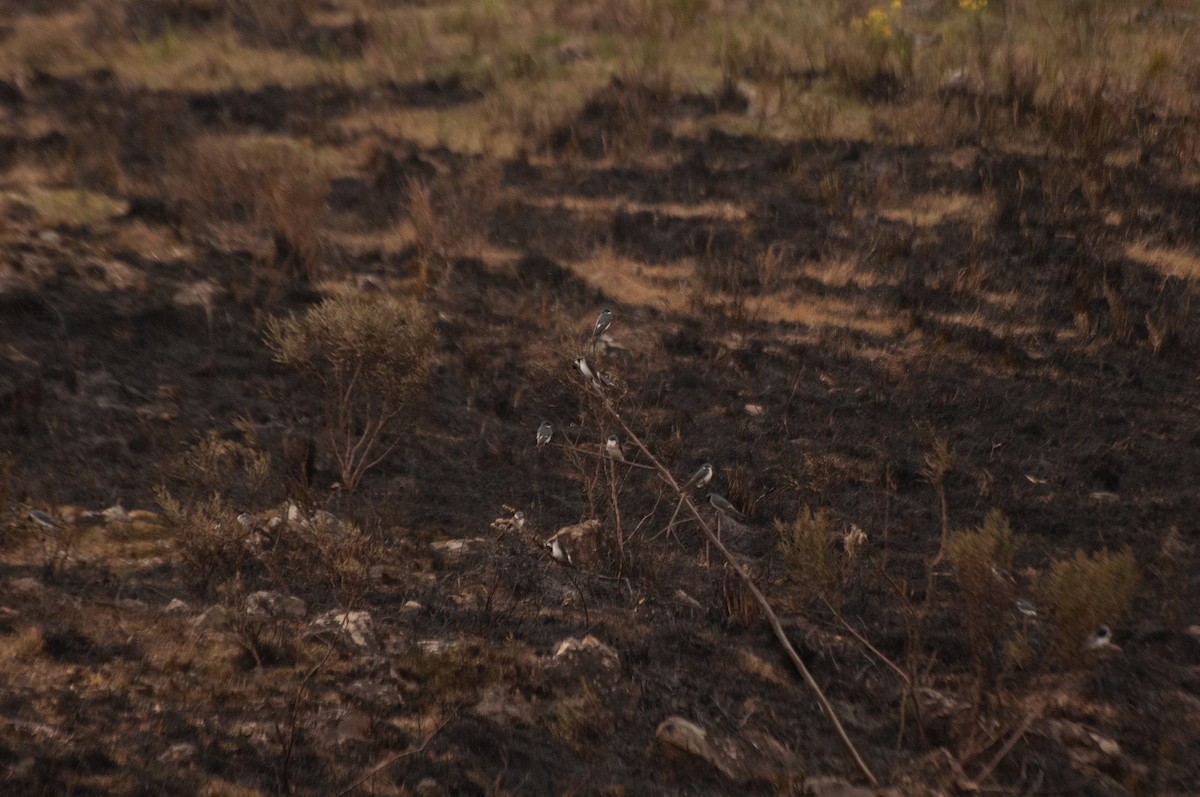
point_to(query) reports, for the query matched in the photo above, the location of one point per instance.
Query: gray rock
(752, 757)
(583, 659)
(460, 546)
(275, 605)
(686, 741)
(178, 753)
(582, 540)
(115, 514)
(351, 630)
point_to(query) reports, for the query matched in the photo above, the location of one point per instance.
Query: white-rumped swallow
(43, 519)
(559, 551)
(1102, 637)
(700, 478)
(603, 322)
(613, 447)
(593, 374)
(721, 505)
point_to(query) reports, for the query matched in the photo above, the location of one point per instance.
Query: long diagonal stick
(761, 599)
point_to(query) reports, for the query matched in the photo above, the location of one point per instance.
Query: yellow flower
(897, 5)
(878, 25)
(974, 6)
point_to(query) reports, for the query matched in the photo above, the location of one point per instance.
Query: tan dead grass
(23, 646)
(842, 272)
(49, 42)
(632, 281)
(68, 206)
(929, 210)
(1168, 261)
(212, 61)
(605, 207)
(150, 241)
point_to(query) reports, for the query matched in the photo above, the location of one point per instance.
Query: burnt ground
(971, 293)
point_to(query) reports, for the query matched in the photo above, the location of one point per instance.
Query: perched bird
(700, 478)
(544, 433)
(603, 322)
(1026, 608)
(723, 506)
(1099, 639)
(43, 519)
(518, 519)
(612, 447)
(558, 550)
(591, 373)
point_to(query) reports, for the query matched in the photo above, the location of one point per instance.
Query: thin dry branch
(986, 772)
(772, 618)
(387, 762)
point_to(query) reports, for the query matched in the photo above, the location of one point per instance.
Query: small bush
(582, 721)
(209, 479)
(211, 542)
(1084, 592)
(371, 359)
(980, 558)
(807, 544)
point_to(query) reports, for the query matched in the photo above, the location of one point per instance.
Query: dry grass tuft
(1084, 592)
(808, 545)
(582, 721)
(981, 560)
(279, 186)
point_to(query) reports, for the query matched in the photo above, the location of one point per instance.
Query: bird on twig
(43, 519)
(723, 506)
(700, 478)
(603, 322)
(612, 447)
(590, 372)
(1101, 638)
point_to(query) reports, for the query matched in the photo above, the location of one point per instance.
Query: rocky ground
(901, 336)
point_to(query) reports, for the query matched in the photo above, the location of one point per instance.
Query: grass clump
(980, 558)
(457, 673)
(813, 562)
(582, 721)
(1086, 591)
(371, 358)
(278, 186)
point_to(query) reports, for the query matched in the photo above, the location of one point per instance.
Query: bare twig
(865, 643)
(1005, 750)
(387, 762)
